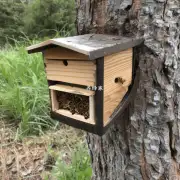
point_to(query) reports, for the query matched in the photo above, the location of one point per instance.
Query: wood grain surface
(116, 66)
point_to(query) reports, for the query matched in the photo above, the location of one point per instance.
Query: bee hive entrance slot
(76, 103)
(65, 62)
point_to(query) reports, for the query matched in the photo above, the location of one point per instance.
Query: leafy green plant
(36, 19)
(45, 18)
(11, 23)
(24, 93)
(77, 169)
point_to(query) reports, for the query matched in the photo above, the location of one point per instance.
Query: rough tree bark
(145, 142)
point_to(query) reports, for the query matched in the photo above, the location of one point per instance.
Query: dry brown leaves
(28, 159)
(19, 159)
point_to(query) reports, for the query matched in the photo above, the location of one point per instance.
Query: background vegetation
(24, 97)
(46, 18)
(35, 19)
(24, 92)
(11, 20)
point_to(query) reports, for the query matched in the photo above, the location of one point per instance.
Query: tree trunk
(145, 142)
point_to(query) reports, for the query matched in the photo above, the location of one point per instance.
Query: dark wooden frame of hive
(99, 127)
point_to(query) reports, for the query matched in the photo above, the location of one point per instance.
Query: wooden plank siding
(76, 72)
(115, 66)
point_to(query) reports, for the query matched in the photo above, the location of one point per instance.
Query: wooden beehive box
(88, 77)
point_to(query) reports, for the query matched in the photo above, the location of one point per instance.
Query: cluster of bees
(76, 104)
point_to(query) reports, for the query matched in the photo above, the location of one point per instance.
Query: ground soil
(30, 157)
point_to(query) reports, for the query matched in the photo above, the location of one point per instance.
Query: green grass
(24, 98)
(24, 93)
(77, 169)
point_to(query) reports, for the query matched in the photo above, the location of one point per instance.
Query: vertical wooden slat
(91, 108)
(55, 104)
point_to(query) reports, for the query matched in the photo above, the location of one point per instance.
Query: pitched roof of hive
(92, 45)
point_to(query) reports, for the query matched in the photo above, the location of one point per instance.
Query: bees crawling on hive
(76, 104)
